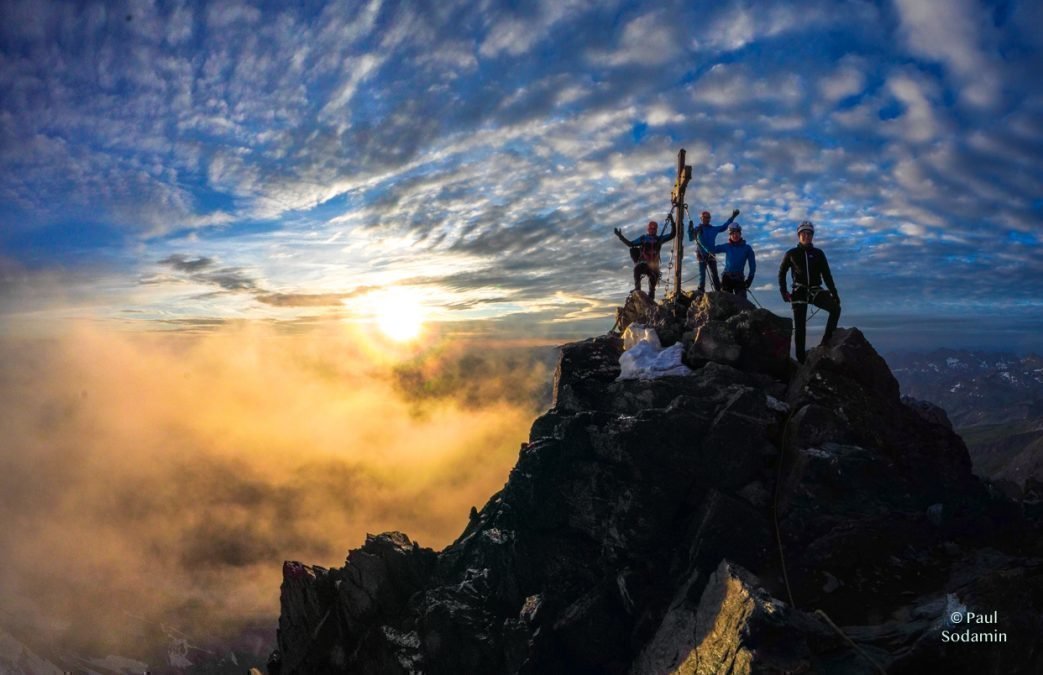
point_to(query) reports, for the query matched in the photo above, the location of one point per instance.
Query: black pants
(644, 269)
(733, 283)
(820, 298)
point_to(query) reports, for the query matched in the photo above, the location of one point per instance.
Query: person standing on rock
(645, 253)
(705, 236)
(737, 253)
(809, 269)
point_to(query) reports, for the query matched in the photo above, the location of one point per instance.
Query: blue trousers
(712, 264)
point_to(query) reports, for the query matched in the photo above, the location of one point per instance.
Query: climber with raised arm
(809, 270)
(644, 251)
(705, 237)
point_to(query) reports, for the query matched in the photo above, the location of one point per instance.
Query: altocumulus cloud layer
(155, 480)
(485, 152)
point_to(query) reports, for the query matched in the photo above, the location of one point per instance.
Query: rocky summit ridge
(753, 517)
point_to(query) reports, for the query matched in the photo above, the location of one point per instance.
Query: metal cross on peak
(684, 174)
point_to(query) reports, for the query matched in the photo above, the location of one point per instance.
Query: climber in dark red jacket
(644, 251)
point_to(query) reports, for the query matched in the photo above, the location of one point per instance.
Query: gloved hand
(735, 213)
(749, 282)
(837, 299)
(618, 231)
(786, 297)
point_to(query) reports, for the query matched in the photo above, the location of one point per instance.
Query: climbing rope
(784, 447)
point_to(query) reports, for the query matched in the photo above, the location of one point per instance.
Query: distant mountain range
(973, 387)
(994, 400)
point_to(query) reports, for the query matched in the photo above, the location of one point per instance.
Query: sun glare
(400, 316)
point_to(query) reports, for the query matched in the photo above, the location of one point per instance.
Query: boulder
(714, 341)
(638, 308)
(737, 627)
(928, 411)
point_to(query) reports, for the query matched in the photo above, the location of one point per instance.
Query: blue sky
(176, 164)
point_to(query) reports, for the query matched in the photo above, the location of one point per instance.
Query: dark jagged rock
(638, 308)
(735, 626)
(928, 411)
(669, 318)
(664, 526)
(728, 329)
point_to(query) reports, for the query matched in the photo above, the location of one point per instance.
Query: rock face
(752, 517)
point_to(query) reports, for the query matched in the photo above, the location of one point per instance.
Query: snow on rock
(645, 359)
(639, 332)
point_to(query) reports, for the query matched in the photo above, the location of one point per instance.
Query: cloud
(952, 34)
(847, 80)
(732, 86)
(919, 120)
(517, 32)
(204, 270)
(121, 449)
(494, 148)
(312, 299)
(222, 16)
(649, 39)
(183, 263)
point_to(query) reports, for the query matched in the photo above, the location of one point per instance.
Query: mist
(160, 480)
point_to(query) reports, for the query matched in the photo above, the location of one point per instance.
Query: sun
(400, 316)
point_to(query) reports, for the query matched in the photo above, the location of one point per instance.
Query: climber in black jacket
(810, 269)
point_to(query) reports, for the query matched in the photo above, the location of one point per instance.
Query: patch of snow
(624, 593)
(409, 640)
(952, 361)
(644, 361)
(470, 576)
(639, 332)
(953, 605)
(497, 536)
(409, 660)
(776, 405)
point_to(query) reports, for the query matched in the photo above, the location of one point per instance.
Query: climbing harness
(812, 291)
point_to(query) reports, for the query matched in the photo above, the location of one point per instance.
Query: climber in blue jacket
(737, 253)
(705, 236)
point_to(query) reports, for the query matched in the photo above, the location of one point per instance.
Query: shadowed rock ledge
(645, 524)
